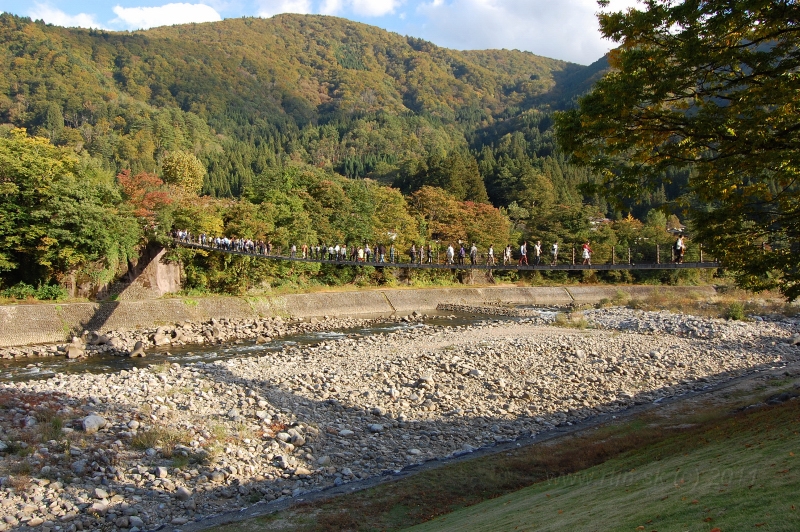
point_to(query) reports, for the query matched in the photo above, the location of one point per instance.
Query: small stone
(79, 467)
(75, 351)
(98, 508)
(324, 460)
(36, 521)
(376, 428)
(179, 521)
(302, 472)
(183, 493)
(100, 493)
(161, 472)
(135, 521)
(426, 380)
(346, 432)
(93, 423)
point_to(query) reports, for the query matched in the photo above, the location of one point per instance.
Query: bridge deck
(439, 266)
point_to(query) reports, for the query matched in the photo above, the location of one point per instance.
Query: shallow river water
(45, 367)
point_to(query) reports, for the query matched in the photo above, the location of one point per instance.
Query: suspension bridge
(570, 265)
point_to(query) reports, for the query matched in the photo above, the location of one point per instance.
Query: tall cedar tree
(712, 86)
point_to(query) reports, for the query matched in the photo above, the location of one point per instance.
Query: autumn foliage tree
(449, 220)
(145, 193)
(709, 86)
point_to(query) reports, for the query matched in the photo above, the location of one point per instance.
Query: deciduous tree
(710, 85)
(59, 214)
(184, 170)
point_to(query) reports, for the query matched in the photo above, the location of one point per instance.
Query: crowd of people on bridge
(455, 254)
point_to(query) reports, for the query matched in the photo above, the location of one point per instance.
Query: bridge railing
(603, 254)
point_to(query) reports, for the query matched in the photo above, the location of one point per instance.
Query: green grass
(741, 474)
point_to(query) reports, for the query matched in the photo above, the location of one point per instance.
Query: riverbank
(26, 325)
(176, 443)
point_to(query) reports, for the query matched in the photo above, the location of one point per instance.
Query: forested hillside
(245, 94)
(273, 123)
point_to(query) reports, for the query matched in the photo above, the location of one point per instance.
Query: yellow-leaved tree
(184, 170)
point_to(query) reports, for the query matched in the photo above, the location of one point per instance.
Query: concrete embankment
(51, 323)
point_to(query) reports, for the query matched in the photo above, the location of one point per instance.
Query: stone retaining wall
(52, 323)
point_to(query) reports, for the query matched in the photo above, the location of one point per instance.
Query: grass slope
(739, 474)
(698, 464)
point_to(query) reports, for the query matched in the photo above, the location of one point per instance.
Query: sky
(560, 29)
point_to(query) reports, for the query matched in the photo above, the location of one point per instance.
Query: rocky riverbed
(172, 443)
(213, 332)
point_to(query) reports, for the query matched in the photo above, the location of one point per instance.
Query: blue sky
(562, 29)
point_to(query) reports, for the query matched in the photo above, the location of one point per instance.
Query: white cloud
(166, 15)
(566, 29)
(358, 8)
(331, 7)
(275, 7)
(51, 15)
(374, 8)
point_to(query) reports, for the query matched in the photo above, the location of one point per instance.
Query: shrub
(735, 311)
(51, 292)
(47, 292)
(163, 438)
(20, 291)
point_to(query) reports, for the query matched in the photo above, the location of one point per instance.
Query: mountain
(246, 94)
